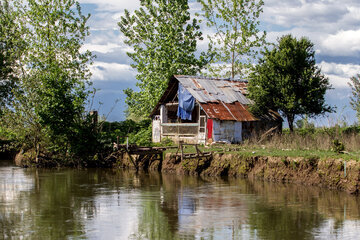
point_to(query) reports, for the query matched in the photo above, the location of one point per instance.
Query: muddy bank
(331, 173)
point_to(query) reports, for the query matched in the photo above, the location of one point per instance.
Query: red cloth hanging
(209, 127)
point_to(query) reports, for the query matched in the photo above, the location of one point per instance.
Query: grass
(262, 151)
(307, 143)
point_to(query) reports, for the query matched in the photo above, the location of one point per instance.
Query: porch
(167, 125)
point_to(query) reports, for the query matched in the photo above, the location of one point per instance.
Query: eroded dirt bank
(308, 171)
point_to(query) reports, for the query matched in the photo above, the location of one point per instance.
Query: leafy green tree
(53, 76)
(10, 44)
(164, 39)
(237, 37)
(355, 99)
(287, 80)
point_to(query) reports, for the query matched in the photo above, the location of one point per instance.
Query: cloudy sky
(332, 25)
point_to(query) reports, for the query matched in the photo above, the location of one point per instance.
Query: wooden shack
(202, 110)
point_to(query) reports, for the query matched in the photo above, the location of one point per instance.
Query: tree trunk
(290, 119)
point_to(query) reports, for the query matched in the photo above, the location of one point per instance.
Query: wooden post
(132, 160)
(182, 152)
(198, 155)
(94, 115)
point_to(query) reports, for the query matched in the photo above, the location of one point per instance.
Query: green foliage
(287, 80)
(164, 40)
(304, 123)
(355, 98)
(137, 132)
(304, 127)
(330, 131)
(85, 143)
(10, 44)
(337, 146)
(237, 38)
(47, 112)
(167, 142)
(142, 137)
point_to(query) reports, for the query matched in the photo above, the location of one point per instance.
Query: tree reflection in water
(108, 204)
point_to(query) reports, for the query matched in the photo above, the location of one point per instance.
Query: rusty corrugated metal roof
(214, 89)
(222, 99)
(228, 111)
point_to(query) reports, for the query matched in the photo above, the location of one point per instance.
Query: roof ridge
(212, 78)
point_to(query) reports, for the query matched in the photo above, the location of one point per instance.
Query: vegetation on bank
(323, 143)
(264, 151)
(136, 132)
(305, 141)
(48, 81)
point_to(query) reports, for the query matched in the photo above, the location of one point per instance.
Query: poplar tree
(163, 38)
(355, 98)
(10, 43)
(237, 38)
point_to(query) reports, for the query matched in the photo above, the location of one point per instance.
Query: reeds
(311, 139)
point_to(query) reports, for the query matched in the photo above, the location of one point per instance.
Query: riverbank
(330, 173)
(333, 171)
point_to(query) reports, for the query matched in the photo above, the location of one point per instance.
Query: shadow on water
(108, 204)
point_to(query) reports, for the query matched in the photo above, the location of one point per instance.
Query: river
(117, 204)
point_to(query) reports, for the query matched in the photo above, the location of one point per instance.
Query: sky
(332, 25)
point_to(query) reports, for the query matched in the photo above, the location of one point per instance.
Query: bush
(142, 137)
(138, 132)
(337, 146)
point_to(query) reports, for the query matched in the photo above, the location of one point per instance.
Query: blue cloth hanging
(186, 103)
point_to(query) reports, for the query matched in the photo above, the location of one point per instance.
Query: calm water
(115, 204)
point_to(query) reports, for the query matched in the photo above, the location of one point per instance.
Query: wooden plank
(134, 152)
(180, 124)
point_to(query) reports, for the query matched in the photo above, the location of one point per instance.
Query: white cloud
(102, 71)
(303, 13)
(343, 43)
(114, 5)
(332, 25)
(106, 48)
(339, 74)
(313, 14)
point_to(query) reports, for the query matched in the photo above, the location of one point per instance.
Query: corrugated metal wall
(228, 131)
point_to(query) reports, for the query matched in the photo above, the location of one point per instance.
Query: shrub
(337, 146)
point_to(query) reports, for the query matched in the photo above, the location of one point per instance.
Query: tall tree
(53, 77)
(164, 40)
(355, 90)
(287, 80)
(10, 44)
(237, 37)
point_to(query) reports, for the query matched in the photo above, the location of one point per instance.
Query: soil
(330, 173)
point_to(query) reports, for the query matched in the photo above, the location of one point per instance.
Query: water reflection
(115, 204)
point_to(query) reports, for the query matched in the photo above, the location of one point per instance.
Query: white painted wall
(156, 129)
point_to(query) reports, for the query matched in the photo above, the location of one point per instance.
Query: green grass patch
(272, 152)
